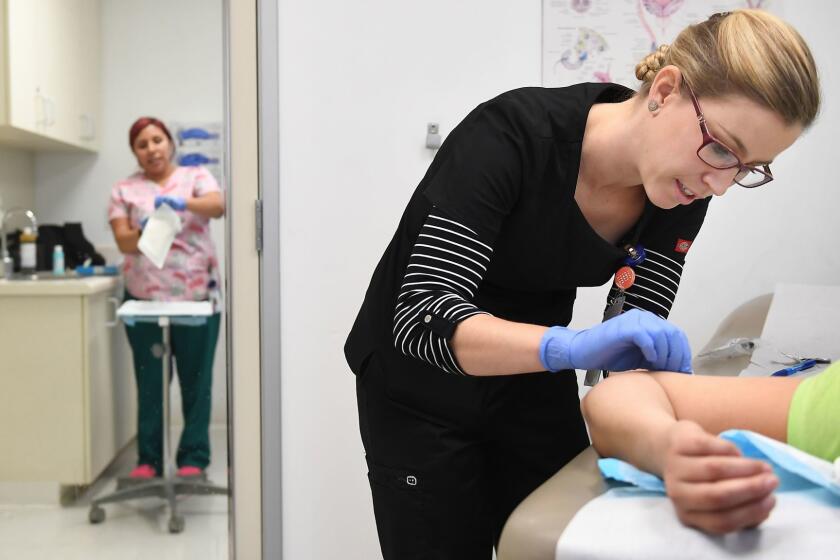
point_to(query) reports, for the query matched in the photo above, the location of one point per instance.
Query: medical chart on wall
(603, 40)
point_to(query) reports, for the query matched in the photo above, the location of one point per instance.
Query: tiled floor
(135, 530)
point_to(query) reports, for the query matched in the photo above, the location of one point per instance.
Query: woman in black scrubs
(465, 369)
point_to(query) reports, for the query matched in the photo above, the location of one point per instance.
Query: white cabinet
(88, 73)
(24, 106)
(50, 87)
(67, 391)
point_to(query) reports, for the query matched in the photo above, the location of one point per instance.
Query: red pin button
(624, 277)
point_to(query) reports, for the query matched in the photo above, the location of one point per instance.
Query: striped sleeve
(445, 269)
(655, 287)
(666, 236)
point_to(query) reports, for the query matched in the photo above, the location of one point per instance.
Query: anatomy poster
(603, 40)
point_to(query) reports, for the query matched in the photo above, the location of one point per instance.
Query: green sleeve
(814, 415)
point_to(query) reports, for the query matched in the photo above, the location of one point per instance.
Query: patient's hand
(711, 485)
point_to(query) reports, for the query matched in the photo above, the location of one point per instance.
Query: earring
(652, 105)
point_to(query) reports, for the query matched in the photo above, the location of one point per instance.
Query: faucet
(8, 264)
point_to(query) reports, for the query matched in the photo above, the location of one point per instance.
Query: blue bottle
(58, 260)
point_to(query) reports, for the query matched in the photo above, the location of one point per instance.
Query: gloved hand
(633, 340)
(175, 202)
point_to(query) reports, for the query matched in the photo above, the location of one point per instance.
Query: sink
(41, 276)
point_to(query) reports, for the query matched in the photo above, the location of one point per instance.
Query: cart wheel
(176, 524)
(96, 515)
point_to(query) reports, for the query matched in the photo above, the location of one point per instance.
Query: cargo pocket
(400, 506)
(362, 395)
(364, 365)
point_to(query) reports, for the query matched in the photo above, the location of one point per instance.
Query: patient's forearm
(629, 417)
(759, 404)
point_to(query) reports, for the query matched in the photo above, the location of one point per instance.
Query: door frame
(268, 68)
(252, 288)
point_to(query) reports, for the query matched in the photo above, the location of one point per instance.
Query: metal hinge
(258, 224)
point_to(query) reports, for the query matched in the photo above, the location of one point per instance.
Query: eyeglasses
(715, 153)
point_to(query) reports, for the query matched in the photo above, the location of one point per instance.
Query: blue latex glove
(633, 340)
(175, 202)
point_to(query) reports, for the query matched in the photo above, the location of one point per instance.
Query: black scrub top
(508, 172)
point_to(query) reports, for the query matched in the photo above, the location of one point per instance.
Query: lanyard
(624, 278)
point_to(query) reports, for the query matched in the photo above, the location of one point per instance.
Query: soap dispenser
(28, 251)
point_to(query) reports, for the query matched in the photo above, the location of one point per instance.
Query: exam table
(535, 526)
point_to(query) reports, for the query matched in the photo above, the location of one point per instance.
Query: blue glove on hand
(633, 340)
(175, 202)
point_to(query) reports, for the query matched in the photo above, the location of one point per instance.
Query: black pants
(450, 457)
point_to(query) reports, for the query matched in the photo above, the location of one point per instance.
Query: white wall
(359, 81)
(17, 181)
(160, 58)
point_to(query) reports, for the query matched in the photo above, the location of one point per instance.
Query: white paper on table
(801, 322)
(159, 233)
(627, 524)
(142, 308)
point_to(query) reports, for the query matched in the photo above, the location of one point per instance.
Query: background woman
(190, 273)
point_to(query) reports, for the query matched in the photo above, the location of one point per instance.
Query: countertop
(66, 287)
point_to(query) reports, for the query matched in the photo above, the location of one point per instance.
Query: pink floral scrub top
(191, 270)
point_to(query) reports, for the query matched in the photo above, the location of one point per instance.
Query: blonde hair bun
(650, 65)
(750, 53)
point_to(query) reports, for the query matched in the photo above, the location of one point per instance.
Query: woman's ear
(666, 86)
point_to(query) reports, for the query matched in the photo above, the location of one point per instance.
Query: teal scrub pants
(193, 349)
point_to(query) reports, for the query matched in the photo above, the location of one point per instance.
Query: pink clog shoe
(189, 470)
(143, 471)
